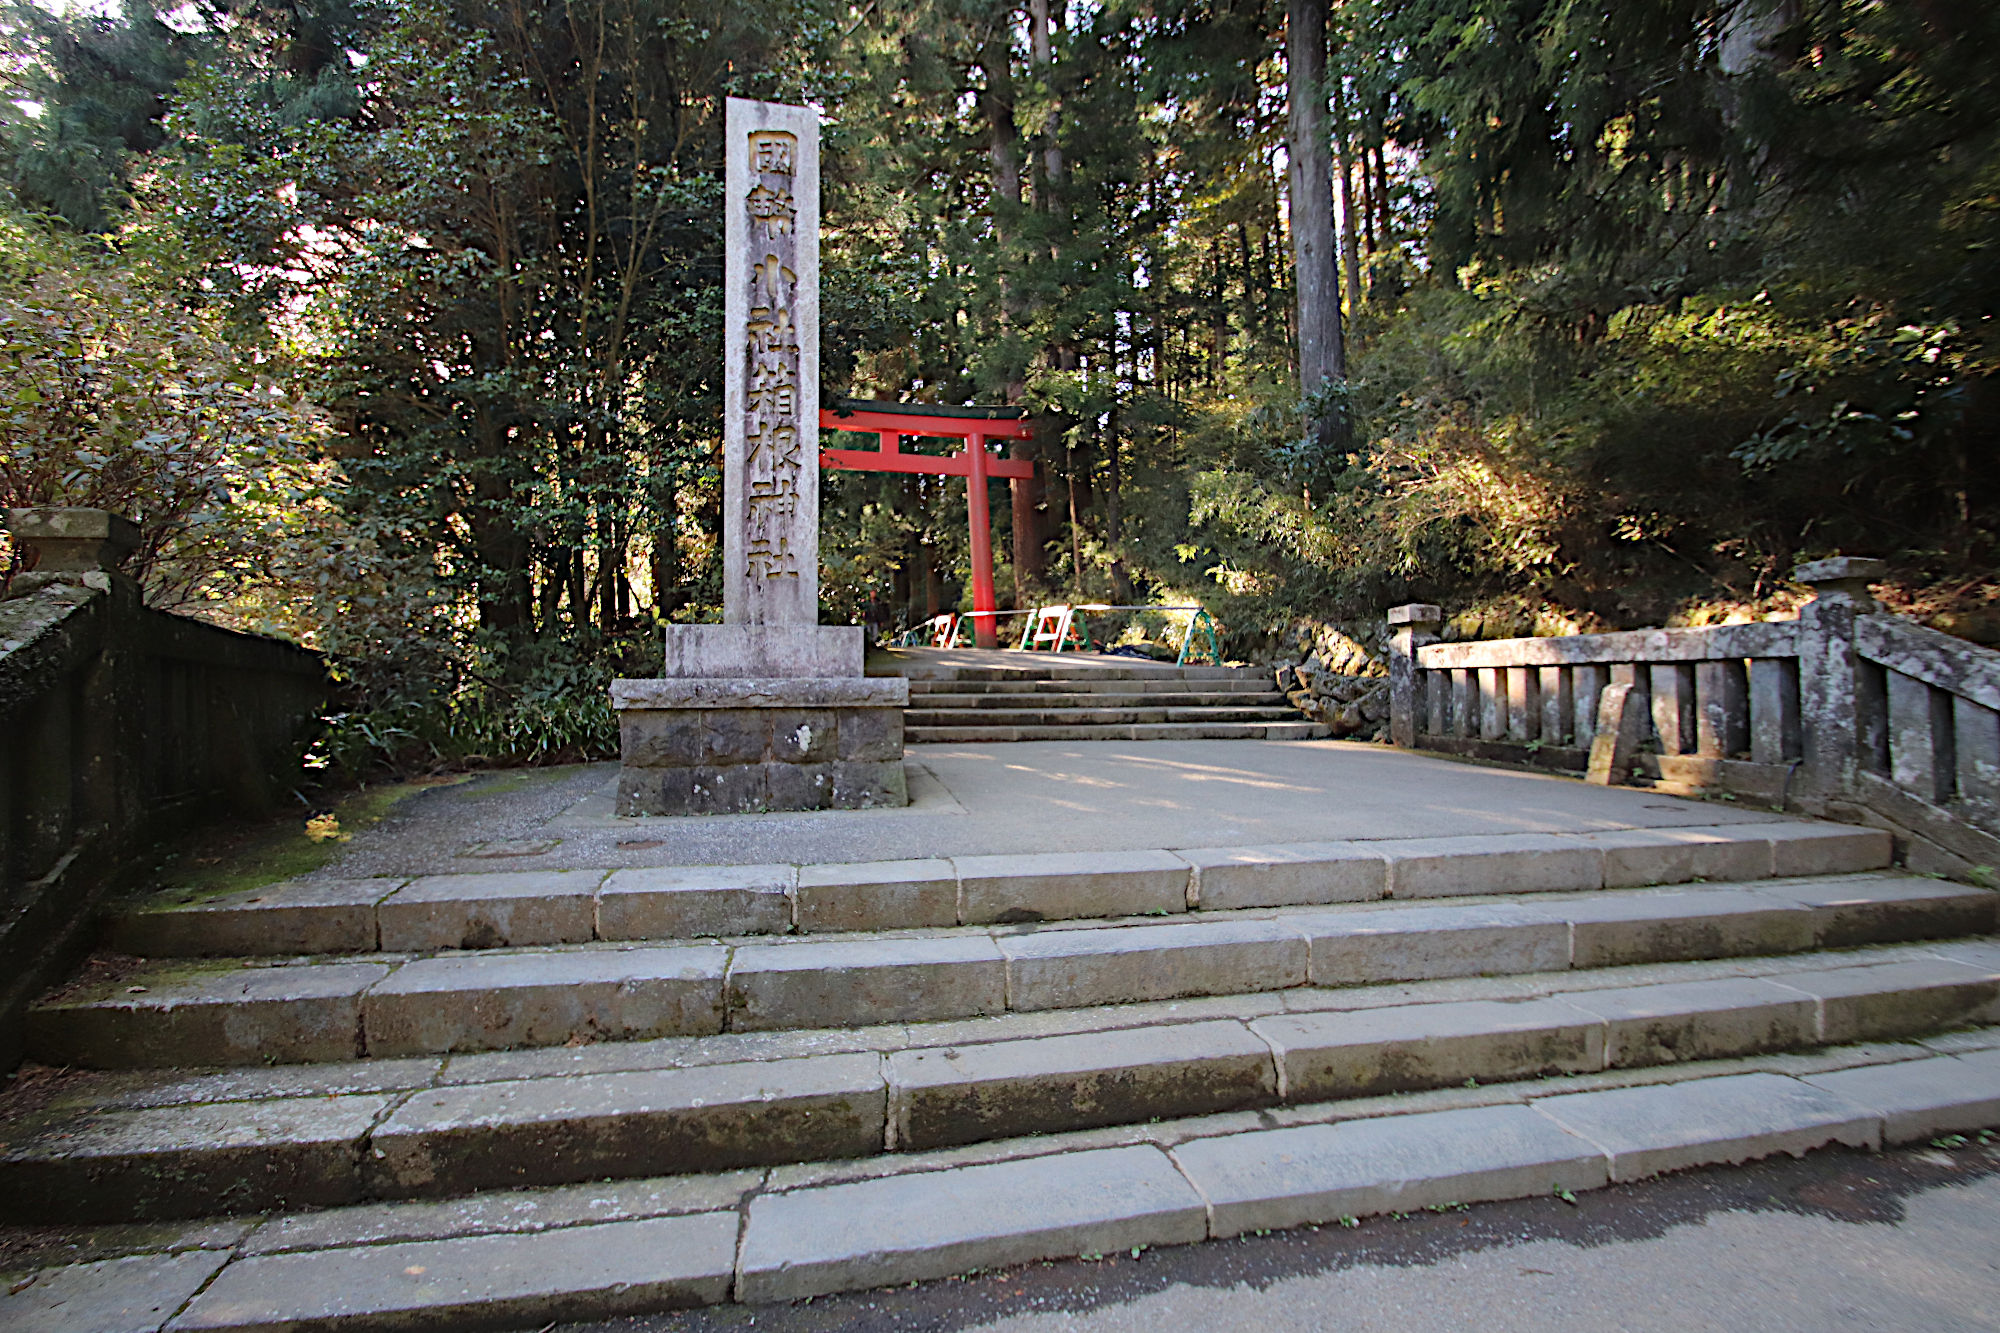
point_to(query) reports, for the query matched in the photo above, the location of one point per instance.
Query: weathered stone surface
(587, 1272)
(1635, 857)
(1898, 999)
(971, 1093)
(1737, 1118)
(734, 735)
(848, 983)
(871, 735)
(862, 784)
(1411, 944)
(136, 1294)
(738, 788)
(1697, 1020)
(1621, 726)
(1321, 1173)
(304, 916)
(935, 1223)
(655, 791)
(1885, 909)
(242, 1083)
(1703, 643)
(1801, 847)
(1285, 875)
(495, 1211)
(1918, 1099)
(1614, 929)
(671, 902)
(711, 695)
(555, 1131)
(799, 786)
(1497, 863)
(1405, 1047)
(695, 652)
(659, 739)
(770, 440)
(484, 1002)
(189, 1161)
(1050, 886)
(877, 895)
(489, 911)
(1069, 969)
(803, 735)
(214, 1015)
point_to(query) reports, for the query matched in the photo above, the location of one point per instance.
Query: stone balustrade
(1845, 710)
(118, 723)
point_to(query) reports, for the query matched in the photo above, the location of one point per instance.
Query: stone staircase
(1095, 700)
(500, 1100)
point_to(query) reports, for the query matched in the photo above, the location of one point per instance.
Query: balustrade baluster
(1978, 746)
(1492, 704)
(1586, 684)
(1673, 705)
(1524, 704)
(1557, 705)
(1722, 709)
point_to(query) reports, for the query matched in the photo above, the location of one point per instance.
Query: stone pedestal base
(718, 746)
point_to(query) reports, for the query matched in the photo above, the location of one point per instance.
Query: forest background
(396, 323)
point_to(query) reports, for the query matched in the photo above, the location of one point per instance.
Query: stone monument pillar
(768, 710)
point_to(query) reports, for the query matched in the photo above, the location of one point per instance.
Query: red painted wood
(973, 463)
(949, 428)
(985, 624)
(955, 465)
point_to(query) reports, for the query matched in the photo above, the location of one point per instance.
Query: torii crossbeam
(975, 426)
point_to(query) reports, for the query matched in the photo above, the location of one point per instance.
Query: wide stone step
(918, 720)
(1091, 687)
(444, 1129)
(511, 909)
(1053, 699)
(392, 1006)
(1096, 668)
(1144, 731)
(526, 1258)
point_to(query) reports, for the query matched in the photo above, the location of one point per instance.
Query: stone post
(769, 710)
(72, 541)
(1621, 726)
(1414, 625)
(1829, 719)
(770, 348)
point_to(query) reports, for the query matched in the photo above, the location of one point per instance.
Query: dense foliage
(1643, 302)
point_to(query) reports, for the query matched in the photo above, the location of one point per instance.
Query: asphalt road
(1899, 1241)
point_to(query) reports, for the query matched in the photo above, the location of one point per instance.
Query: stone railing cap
(66, 524)
(1416, 613)
(1840, 569)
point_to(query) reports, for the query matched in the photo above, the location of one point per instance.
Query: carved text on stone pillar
(771, 343)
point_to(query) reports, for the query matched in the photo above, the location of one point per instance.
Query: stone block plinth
(733, 745)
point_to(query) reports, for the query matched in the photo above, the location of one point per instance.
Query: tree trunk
(1004, 148)
(1029, 564)
(554, 565)
(1343, 156)
(1114, 511)
(663, 561)
(1315, 258)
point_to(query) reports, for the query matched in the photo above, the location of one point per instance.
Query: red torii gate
(973, 425)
